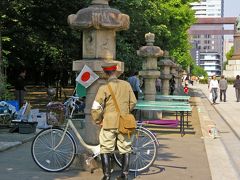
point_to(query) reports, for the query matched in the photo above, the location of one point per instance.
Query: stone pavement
(221, 151)
(9, 140)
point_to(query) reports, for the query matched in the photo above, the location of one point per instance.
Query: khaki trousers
(109, 138)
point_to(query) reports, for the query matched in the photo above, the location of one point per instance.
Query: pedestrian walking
(20, 89)
(236, 85)
(135, 84)
(105, 114)
(172, 83)
(213, 87)
(223, 85)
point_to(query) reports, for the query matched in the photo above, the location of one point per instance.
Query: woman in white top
(213, 87)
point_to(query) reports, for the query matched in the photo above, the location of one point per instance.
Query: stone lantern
(99, 24)
(166, 75)
(179, 76)
(149, 68)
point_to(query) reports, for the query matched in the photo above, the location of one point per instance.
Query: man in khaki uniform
(105, 114)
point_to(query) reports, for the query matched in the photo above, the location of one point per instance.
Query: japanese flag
(86, 77)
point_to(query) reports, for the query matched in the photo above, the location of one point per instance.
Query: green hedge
(205, 80)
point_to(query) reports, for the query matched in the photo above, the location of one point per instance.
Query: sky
(231, 8)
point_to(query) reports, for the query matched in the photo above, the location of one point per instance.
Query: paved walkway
(222, 152)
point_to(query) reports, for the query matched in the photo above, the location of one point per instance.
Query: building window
(207, 36)
(206, 42)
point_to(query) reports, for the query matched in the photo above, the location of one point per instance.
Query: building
(208, 8)
(211, 62)
(209, 46)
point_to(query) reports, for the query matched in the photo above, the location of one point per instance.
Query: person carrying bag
(110, 110)
(127, 122)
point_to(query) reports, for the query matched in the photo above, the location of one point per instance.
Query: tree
(198, 71)
(168, 19)
(229, 54)
(38, 37)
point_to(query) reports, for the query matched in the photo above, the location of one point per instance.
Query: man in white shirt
(213, 87)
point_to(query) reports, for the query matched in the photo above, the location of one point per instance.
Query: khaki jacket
(107, 115)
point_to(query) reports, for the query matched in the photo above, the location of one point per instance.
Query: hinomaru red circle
(85, 76)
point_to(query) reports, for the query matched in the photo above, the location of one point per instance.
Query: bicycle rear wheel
(144, 151)
(49, 157)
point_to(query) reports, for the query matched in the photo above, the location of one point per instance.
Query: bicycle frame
(47, 146)
(141, 125)
(94, 149)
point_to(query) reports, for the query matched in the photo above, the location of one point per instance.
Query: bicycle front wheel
(144, 151)
(50, 156)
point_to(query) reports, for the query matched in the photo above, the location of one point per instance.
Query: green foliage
(198, 71)
(36, 34)
(5, 93)
(231, 80)
(169, 20)
(203, 81)
(230, 53)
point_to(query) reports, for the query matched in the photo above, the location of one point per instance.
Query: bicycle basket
(55, 113)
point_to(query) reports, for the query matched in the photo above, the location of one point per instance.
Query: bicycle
(54, 149)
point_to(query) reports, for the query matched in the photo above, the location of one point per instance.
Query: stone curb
(205, 122)
(8, 145)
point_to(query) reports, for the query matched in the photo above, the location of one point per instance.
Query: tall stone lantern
(166, 75)
(149, 68)
(99, 23)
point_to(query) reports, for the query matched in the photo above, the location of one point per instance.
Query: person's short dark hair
(237, 76)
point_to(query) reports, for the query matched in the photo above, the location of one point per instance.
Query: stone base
(231, 73)
(232, 69)
(234, 62)
(95, 65)
(235, 57)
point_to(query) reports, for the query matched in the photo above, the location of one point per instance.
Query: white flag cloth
(86, 77)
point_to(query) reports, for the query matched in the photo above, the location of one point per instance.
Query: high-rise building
(209, 46)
